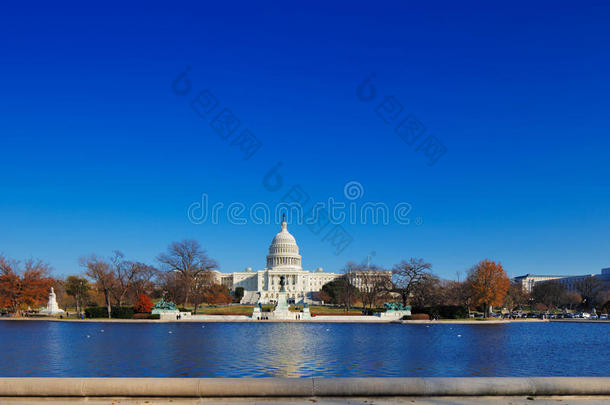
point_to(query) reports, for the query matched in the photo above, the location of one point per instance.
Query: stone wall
(301, 387)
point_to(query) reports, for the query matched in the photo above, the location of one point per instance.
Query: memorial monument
(52, 307)
(165, 308)
(394, 310)
(281, 310)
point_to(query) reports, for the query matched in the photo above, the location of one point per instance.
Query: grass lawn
(228, 310)
(324, 310)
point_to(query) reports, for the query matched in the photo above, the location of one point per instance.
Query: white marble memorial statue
(52, 307)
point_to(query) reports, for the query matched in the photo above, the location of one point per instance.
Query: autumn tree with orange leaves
(488, 283)
(144, 304)
(217, 294)
(23, 287)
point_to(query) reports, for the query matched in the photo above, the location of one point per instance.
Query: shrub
(102, 312)
(420, 317)
(144, 304)
(185, 310)
(443, 311)
(146, 316)
(96, 312)
(452, 312)
(122, 312)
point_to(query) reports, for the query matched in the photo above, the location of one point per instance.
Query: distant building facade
(284, 260)
(570, 283)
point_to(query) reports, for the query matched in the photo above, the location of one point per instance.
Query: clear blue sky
(99, 154)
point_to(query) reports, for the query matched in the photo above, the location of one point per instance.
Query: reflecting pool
(72, 349)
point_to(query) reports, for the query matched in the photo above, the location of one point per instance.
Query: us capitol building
(283, 260)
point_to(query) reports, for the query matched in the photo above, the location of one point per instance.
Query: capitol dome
(284, 251)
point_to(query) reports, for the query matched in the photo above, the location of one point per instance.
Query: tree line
(182, 274)
(588, 293)
(486, 286)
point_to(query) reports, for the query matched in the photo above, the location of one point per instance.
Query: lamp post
(81, 290)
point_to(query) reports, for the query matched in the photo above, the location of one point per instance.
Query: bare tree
(515, 297)
(144, 279)
(588, 288)
(170, 286)
(373, 283)
(100, 272)
(407, 275)
(458, 293)
(187, 259)
(126, 275)
(123, 276)
(199, 287)
(347, 290)
(427, 292)
(572, 299)
(603, 298)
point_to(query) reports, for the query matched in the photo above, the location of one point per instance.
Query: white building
(528, 281)
(283, 260)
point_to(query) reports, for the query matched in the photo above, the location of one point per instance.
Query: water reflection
(282, 351)
(62, 349)
(485, 348)
(54, 344)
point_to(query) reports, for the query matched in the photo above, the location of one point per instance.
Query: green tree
(341, 291)
(333, 289)
(78, 288)
(239, 293)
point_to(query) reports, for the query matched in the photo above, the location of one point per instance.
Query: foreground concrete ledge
(302, 387)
